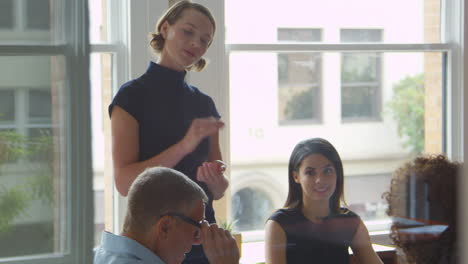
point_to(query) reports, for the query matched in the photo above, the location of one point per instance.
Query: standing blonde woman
(158, 119)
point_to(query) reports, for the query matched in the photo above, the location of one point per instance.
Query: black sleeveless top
(324, 242)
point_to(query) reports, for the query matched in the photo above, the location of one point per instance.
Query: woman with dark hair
(422, 201)
(313, 227)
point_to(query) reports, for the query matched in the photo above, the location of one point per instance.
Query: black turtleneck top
(164, 106)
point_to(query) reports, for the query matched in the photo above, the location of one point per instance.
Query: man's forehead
(197, 209)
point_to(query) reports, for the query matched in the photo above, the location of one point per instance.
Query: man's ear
(163, 226)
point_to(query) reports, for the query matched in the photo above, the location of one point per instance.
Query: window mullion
(371, 47)
(105, 48)
(31, 50)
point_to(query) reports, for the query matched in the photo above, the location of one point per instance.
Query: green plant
(15, 199)
(407, 108)
(227, 225)
(13, 202)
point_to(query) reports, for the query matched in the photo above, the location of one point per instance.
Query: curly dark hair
(425, 189)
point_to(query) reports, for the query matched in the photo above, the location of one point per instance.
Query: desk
(254, 252)
(387, 254)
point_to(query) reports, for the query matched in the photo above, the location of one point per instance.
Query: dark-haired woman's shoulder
(285, 215)
(347, 213)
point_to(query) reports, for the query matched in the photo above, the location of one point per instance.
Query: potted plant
(229, 225)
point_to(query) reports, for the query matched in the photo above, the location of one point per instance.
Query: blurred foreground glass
(32, 155)
(376, 124)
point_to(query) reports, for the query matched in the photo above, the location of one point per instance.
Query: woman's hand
(212, 173)
(198, 130)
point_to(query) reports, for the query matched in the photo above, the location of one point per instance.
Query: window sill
(254, 252)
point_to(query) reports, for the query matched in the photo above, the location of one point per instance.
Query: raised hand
(198, 130)
(219, 245)
(212, 173)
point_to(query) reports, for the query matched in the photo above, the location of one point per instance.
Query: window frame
(452, 28)
(78, 210)
(130, 23)
(455, 43)
(120, 25)
(315, 87)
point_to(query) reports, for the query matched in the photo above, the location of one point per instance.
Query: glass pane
(361, 35)
(31, 21)
(409, 101)
(6, 14)
(40, 106)
(98, 21)
(360, 67)
(299, 86)
(360, 102)
(400, 21)
(250, 208)
(7, 106)
(32, 185)
(12, 152)
(361, 86)
(299, 34)
(101, 94)
(40, 142)
(38, 14)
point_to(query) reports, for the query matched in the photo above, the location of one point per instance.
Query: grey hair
(157, 191)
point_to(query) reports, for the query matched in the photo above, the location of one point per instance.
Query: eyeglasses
(185, 219)
(188, 220)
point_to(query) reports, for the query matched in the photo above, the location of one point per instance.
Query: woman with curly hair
(422, 202)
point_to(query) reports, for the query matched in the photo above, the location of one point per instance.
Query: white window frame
(130, 23)
(78, 203)
(452, 20)
(130, 45)
(454, 42)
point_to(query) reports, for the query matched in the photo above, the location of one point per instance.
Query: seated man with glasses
(165, 217)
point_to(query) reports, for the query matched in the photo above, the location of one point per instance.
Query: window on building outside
(361, 75)
(37, 14)
(299, 78)
(6, 14)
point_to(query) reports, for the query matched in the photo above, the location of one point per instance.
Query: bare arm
(362, 247)
(275, 243)
(125, 147)
(125, 150)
